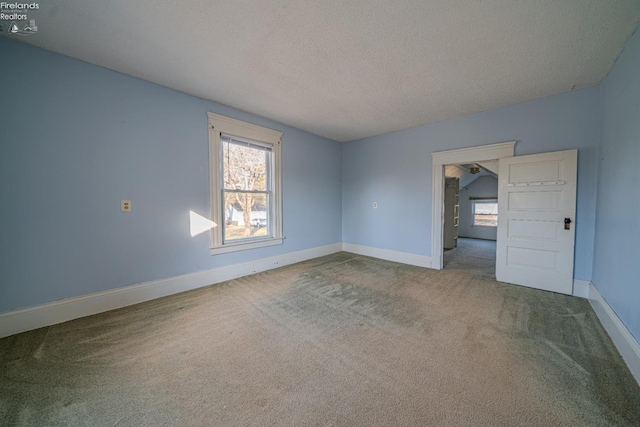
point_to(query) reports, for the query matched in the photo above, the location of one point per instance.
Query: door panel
(536, 172)
(536, 193)
(532, 258)
(543, 201)
(534, 230)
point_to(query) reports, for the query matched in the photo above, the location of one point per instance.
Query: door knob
(567, 223)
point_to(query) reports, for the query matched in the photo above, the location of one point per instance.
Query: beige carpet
(342, 340)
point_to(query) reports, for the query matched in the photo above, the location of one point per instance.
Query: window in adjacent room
(485, 213)
(246, 200)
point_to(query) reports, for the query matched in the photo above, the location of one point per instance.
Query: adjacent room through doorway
(470, 218)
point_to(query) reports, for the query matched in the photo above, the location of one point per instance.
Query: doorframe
(480, 153)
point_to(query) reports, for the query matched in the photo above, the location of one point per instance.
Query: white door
(451, 210)
(536, 194)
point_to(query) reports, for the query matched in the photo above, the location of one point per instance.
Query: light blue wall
(395, 169)
(616, 269)
(75, 139)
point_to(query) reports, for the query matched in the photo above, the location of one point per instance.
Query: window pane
(245, 166)
(486, 214)
(246, 215)
(487, 208)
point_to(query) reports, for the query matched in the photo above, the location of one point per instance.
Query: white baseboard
(387, 254)
(581, 288)
(14, 322)
(437, 263)
(626, 343)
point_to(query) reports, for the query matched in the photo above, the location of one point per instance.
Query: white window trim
(220, 124)
(473, 212)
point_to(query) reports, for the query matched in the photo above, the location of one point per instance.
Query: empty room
(330, 213)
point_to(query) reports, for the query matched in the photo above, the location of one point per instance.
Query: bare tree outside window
(247, 187)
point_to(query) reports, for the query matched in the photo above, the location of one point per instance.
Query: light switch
(125, 205)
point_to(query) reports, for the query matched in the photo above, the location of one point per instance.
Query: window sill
(235, 247)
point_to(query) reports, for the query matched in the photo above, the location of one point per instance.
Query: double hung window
(246, 200)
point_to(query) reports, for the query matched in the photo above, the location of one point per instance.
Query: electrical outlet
(125, 205)
(375, 205)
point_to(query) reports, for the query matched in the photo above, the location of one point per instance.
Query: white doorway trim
(442, 158)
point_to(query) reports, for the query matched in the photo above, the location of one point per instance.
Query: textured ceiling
(348, 69)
